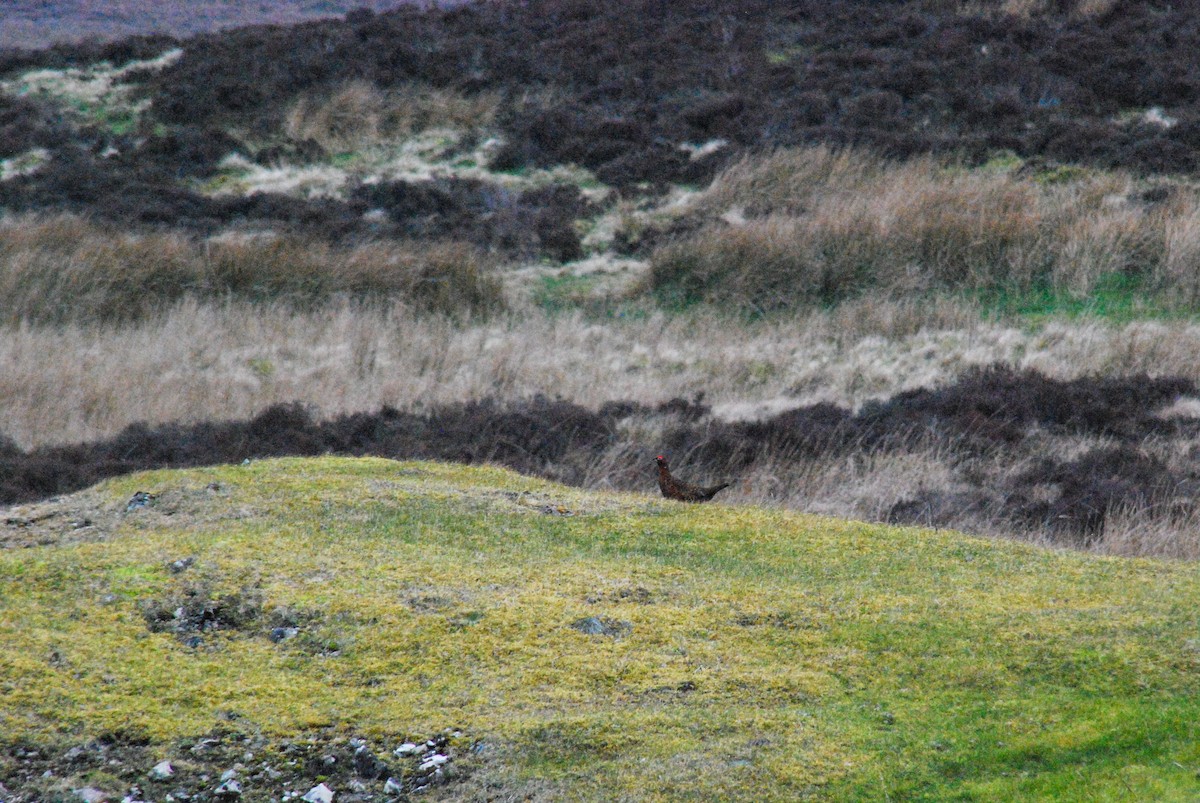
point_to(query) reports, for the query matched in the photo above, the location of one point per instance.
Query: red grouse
(683, 491)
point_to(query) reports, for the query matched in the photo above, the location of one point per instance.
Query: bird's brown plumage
(683, 491)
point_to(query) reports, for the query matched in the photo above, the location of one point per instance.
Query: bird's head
(662, 461)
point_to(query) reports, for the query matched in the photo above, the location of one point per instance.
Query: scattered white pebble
(435, 760)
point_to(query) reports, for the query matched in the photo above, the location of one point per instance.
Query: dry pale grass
(200, 360)
(861, 486)
(1016, 8)
(818, 225)
(1026, 9)
(359, 114)
(1136, 533)
(67, 269)
(866, 485)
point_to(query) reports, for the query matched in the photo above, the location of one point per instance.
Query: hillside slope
(638, 93)
(286, 623)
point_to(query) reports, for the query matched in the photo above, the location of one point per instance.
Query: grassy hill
(294, 621)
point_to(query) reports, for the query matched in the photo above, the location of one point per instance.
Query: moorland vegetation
(735, 232)
(921, 262)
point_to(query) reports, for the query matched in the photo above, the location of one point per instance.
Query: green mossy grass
(769, 655)
(1116, 298)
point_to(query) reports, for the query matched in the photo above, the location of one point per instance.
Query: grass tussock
(819, 225)
(359, 114)
(1037, 9)
(67, 269)
(750, 654)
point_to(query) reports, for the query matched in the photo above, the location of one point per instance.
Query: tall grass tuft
(67, 269)
(1028, 9)
(359, 114)
(818, 226)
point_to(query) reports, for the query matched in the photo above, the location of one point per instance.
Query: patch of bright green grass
(1117, 298)
(1002, 162)
(564, 291)
(768, 655)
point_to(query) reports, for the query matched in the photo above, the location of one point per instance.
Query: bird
(683, 491)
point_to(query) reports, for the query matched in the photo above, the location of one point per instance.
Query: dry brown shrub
(817, 225)
(1180, 267)
(768, 264)
(792, 180)
(68, 269)
(1094, 8)
(359, 114)
(1027, 9)
(1024, 8)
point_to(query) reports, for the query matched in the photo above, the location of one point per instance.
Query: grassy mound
(258, 618)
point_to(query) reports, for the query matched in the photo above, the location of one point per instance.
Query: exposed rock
(193, 608)
(90, 794)
(231, 766)
(432, 762)
(279, 634)
(139, 500)
(231, 789)
(319, 794)
(183, 564)
(367, 765)
(595, 626)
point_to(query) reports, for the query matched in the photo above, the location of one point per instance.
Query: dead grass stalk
(359, 114)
